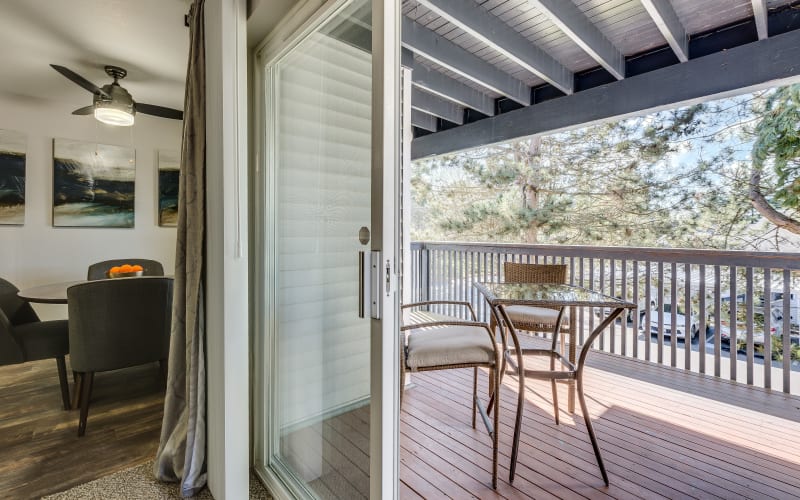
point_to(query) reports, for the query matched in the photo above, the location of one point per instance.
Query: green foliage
(675, 178)
(778, 142)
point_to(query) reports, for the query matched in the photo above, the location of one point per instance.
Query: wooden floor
(663, 434)
(40, 452)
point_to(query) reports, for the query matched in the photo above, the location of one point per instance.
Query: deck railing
(737, 312)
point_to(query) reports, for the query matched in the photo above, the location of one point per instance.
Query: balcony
(720, 317)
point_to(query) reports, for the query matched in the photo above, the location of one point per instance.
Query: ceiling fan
(112, 104)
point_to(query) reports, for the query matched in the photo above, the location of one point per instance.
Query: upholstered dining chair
(23, 337)
(115, 324)
(99, 270)
(433, 341)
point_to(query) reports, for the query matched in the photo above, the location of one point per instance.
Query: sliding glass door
(327, 307)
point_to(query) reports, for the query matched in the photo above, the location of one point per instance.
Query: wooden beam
(569, 19)
(423, 120)
(669, 25)
(445, 53)
(436, 106)
(478, 22)
(450, 89)
(761, 64)
(760, 15)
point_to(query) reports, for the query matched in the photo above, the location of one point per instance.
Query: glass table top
(539, 294)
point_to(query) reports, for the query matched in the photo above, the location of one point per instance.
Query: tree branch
(763, 206)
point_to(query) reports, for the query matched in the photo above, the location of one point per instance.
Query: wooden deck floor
(40, 452)
(663, 433)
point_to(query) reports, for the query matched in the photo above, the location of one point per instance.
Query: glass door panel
(320, 194)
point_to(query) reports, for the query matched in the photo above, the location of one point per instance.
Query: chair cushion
(449, 345)
(43, 339)
(532, 315)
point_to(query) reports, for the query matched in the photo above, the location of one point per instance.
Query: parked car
(741, 333)
(680, 317)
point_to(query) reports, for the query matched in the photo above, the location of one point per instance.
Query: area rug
(138, 483)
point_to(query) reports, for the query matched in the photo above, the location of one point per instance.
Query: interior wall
(37, 253)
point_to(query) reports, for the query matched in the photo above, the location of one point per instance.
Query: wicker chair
(529, 318)
(437, 342)
(541, 319)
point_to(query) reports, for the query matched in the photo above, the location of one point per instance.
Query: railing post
(424, 273)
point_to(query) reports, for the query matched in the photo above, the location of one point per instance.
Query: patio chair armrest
(442, 302)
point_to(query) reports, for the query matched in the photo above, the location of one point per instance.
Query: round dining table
(54, 293)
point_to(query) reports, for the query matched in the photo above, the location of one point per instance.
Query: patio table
(559, 296)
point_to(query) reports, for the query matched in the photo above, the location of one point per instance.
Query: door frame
(298, 24)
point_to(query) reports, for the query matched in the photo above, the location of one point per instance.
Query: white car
(680, 318)
(741, 333)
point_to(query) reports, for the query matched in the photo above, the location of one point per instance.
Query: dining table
(56, 293)
(52, 293)
(557, 296)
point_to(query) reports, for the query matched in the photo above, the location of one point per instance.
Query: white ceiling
(146, 37)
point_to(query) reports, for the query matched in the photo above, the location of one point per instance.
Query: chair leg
(496, 433)
(590, 428)
(554, 388)
(517, 427)
(63, 381)
(76, 392)
(474, 394)
(162, 363)
(87, 379)
(555, 398)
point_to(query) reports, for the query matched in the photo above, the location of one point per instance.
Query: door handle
(363, 283)
(369, 284)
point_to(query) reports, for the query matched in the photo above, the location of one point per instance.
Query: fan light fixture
(113, 116)
(111, 103)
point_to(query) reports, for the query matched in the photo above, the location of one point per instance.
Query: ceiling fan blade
(88, 110)
(152, 109)
(76, 78)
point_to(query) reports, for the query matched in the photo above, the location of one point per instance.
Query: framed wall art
(169, 164)
(93, 184)
(13, 148)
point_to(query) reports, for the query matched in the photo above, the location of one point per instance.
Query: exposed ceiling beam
(669, 25)
(453, 90)
(436, 106)
(478, 22)
(760, 15)
(423, 120)
(762, 64)
(445, 53)
(569, 19)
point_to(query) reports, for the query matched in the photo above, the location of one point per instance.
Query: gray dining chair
(99, 270)
(116, 324)
(23, 337)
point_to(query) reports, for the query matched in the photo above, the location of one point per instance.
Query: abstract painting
(12, 177)
(93, 184)
(169, 164)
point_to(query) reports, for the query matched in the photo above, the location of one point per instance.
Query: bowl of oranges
(125, 271)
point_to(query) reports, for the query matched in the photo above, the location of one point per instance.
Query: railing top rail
(771, 260)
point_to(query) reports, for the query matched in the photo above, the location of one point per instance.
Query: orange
(114, 269)
(137, 267)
